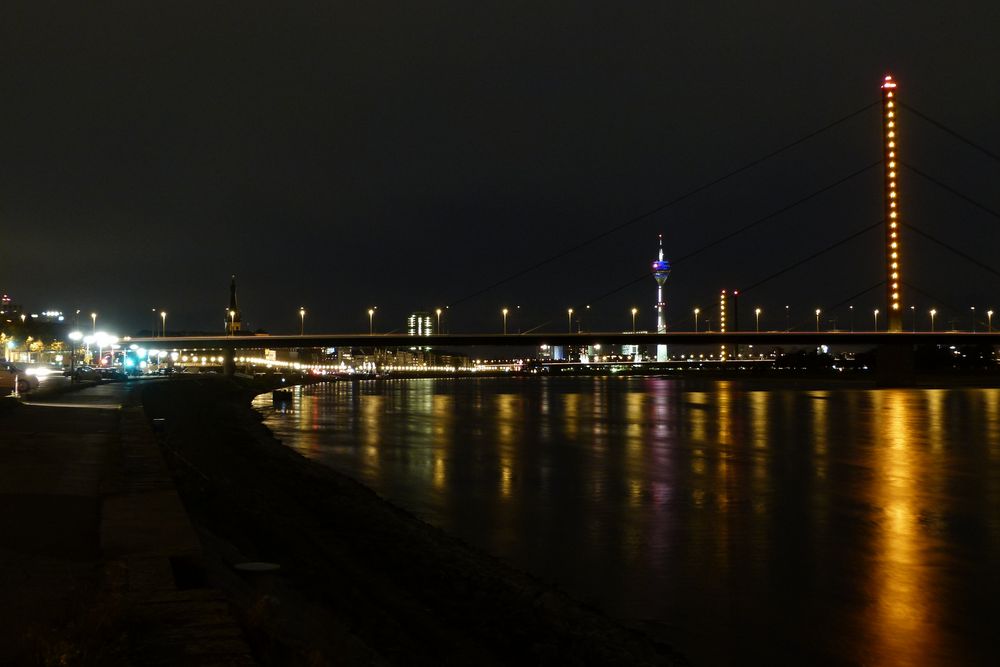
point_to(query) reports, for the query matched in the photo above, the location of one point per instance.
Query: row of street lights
(758, 311)
(505, 313)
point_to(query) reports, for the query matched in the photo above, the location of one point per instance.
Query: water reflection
(835, 525)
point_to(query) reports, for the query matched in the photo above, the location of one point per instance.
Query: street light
(74, 339)
(232, 321)
(302, 320)
(851, 308)
(913, 316)
(696, 311)
(989, 321)
(371, 320)
(569, 318)
(93, 317)
(163, 318)
(788, 319)
(933, 313)
(504, 311)
(756, 313)
(973, 318)
(438, 311)
(634, 311)
(876, 319)
(817, 319)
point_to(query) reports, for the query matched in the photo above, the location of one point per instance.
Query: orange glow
(891, 195)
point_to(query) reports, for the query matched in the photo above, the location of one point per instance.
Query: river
(740, 522)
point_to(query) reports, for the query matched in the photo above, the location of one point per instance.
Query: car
(111, 374)
(12, 377)
(86, 374)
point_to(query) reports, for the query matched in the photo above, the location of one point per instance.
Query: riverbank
(360, 581)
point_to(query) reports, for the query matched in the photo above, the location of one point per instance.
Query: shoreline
(361, 581)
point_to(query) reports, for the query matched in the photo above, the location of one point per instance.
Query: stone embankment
(358, 581)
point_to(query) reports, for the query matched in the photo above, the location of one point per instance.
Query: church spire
(233, 319)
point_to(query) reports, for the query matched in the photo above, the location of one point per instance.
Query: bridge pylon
(890, 160)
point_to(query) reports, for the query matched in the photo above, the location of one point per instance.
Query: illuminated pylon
(722, 323)
(893, 254)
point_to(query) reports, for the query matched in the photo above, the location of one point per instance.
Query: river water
(740, 522)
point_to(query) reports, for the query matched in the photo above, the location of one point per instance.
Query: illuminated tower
(890, 155)
(722, 323)
(661, 271)
(233, 320)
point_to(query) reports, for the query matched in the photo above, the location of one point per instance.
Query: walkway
(92, 538)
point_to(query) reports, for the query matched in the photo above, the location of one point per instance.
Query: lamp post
(504, 312)
(153, 310)
(876, 319)
(933, 313)
(817, 320)
(438, 312)
(756, 312)
(788, 319)
(302, 320)
(634, 311)
(74, 338)
(972, 317)
(163, 318)
(232, 321)
(93, 318)
(569, 319)
(913, 316)
(851, 308)
(696, 312)
(371, 321)
(989, 321)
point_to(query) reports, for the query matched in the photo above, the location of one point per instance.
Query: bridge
(763, 338)
(894, 344)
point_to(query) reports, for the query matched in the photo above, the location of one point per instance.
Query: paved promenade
(96, 549)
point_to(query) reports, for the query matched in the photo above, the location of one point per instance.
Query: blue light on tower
(661, 271)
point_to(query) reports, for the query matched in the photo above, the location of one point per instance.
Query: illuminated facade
(893, 254)
(9, 311)
(233, 320)
(420, 324)
(661, 271)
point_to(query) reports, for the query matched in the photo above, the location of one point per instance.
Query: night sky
(342, 155)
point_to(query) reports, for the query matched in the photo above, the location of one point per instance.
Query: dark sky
(339, 155)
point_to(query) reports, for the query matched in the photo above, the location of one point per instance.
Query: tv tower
(661, 271)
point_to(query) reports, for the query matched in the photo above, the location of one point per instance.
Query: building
(420, 324)
(9, 311)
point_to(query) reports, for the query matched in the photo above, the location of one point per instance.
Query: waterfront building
(420, 324)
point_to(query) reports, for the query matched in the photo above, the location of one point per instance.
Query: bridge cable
(648, 274)
(660, 208)
(734, 233)
(952, 190)
(811, 257)
(934, 299)
(945, 128)
(960, 253)
(858, 295)
(775, 213)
